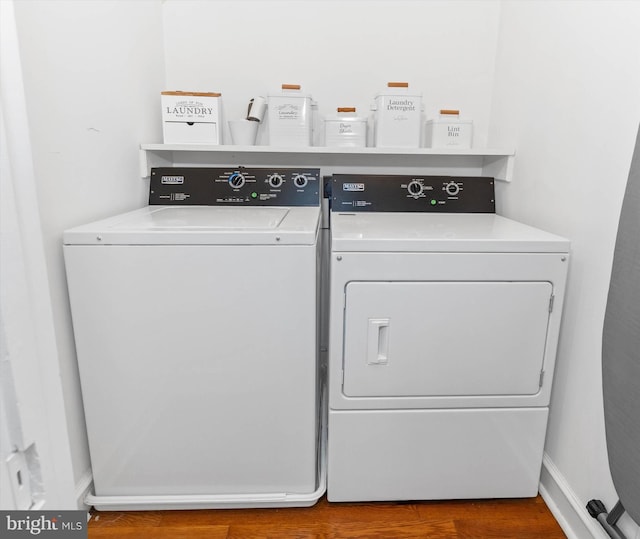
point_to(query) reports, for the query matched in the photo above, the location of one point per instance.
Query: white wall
(92, 74)
(341, 52)
(567, 95)
(35, 468)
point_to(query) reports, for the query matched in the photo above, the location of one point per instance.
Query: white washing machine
(196, 328)
(444, 321)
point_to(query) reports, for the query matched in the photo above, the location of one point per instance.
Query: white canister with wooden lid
(449, 130)
(346, 129)
(397, 117)
(290, 117)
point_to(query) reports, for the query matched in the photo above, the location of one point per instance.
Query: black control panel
(229, 186)
(412, 193)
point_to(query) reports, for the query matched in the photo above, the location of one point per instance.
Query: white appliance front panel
(198, 367)
(379, 455)
(540, 269)
(444, 338)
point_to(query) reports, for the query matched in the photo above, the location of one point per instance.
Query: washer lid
(204, 218)
(202, 225)
(429, 232)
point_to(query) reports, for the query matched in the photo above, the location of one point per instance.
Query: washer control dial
(275, 180)
(414, 188)
(236, 180)
(300, 181)
(452, 188)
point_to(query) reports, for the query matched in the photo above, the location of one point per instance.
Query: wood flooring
(482, 519)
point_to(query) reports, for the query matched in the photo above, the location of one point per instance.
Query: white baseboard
(569, 511)
(565, 506)
(83, 486)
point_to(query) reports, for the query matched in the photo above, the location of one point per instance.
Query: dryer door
(444, 338)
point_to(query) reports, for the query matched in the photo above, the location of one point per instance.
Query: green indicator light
(254, 195)
(433, 201)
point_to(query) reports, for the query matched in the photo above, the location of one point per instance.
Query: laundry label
(289, 111)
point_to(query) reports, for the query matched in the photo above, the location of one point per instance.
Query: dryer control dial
(300, 181)
(236, 180)
(452, 188)
(415, 188)
(275, 181)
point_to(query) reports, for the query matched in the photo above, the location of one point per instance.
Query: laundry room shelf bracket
(497, 163)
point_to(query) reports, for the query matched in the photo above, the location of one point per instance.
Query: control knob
(236, 180)
(275, 180)
(452, 188)
(414, 188)
(300, 181)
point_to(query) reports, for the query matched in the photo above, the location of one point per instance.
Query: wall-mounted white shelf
(497, 163)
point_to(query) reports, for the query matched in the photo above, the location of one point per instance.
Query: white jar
(397, 117)
(290, 117)
(346, 129)
(448, 131)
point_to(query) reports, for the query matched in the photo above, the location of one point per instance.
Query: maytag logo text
(172, 180)
(353, 186)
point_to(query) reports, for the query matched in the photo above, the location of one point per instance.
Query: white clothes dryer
(444, 322)
(196, 325)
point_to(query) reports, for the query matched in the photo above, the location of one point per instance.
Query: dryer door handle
(378, 341)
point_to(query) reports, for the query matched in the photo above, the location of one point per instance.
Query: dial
(275, 180)
(414, 188)
(300, 180)
(452, 188)
(236, 180)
